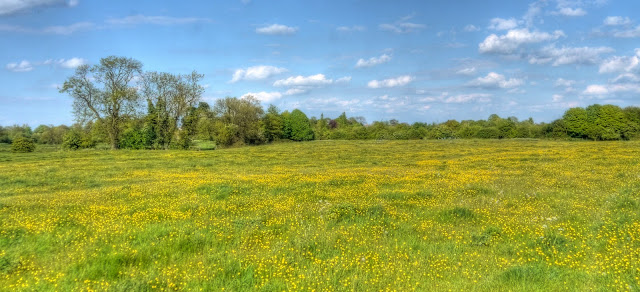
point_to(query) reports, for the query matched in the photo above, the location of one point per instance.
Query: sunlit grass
(325, 215)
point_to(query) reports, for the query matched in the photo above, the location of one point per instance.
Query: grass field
(325, 216)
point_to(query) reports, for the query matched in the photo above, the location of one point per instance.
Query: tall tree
(272, 124)
(299, 125)
(240, 120)
(105, 92)
(172, 96)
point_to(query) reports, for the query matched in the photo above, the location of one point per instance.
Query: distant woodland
(118, 105)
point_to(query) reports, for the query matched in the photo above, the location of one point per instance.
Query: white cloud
(596, 90)
(391, 82)
(629, 33)
(402, 25)
(157, 20)
(68, 29)
(466, 98)
(494, 80)
(277, 29)
(503, 24)
(24, 66)
(564, 83)
(471, 28)
(345, 79)
(313, 80)
(14, 6)
(405, 27)
(534, 10)
(355, 28)
(513, 39)
(295, 91)
(619, 64)
(567, 11)
(602, 90)
(616, 21)
(569, 55)
(624, 87)
(264, 96)
(71, 63)
(467, 71)
(373, 61)
(256, 73)
(626, 78)
(557, 97)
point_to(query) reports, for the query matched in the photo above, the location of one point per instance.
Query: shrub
(23, 145)
(74, 140)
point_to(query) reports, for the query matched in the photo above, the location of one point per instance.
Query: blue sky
(413, 61)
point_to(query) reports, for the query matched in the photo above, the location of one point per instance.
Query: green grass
(477, 215)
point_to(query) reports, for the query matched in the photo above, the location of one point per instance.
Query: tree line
(117, 104)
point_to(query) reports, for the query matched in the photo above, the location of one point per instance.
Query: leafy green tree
(321, 128)
(606, 122)
(171, 96)
(576, 122)
(298, 124)
(105, 92)
(342, 121)
(272, 124)
(244, 114)
(189, 127)
(4, 136)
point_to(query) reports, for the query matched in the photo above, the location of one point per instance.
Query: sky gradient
(426, 61)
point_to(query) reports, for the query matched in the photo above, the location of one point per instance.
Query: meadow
(472, 215)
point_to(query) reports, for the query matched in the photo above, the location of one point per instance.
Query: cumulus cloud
(8, 7)
(620, 64)
(628, 33)
(68, 63)
(626, 78)
(355, 28)
(601, 90)
(264, 96)
(494, 80)
(596, 90)
(445, 97)
(402, 26)
(312, 80)
(567, 11)
(564, 82)
(466, 98)
(471, 28)
(295, 91)
(277, 29)
(535, 9)
(373, 61)
(569, 55)
(616, 21)
(513, 39)
(345, 79)
(467, 71)
(256, 73)
(24, 66)
(391, 82)
(503, 24)
(557, 97)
